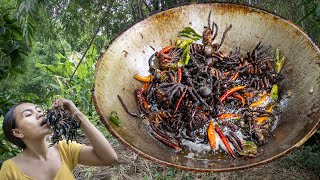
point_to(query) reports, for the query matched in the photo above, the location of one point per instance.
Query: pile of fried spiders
(62, 123)
(197, 95)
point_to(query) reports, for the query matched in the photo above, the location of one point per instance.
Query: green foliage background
(43, 41)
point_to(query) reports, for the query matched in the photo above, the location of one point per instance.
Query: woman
(22, 127)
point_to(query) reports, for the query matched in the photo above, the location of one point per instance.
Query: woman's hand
(101, 153)
(66, 104)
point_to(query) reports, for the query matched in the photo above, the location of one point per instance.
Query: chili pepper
(229, 116)
(171, 77)
(226, 73)
(235, 76)
(167, 141)
(144, 78)
(180, 100)
(240, 97)
(225, 141)
(212, 136)
(145, 86)
(141, 99)
(247, 94)
(260, 101)
(230, 91)
(165, 50)
(156, 130)
(145, 104)
(260, 120)
(179, 75)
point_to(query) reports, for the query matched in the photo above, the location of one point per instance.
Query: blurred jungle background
(48, 49)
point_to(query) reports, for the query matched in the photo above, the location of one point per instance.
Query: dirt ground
(131, 166)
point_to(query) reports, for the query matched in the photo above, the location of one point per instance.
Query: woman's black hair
(9, 123)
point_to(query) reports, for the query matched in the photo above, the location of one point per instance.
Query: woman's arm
(101, 153)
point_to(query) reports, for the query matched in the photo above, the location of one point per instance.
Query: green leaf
(250, 149)
(61, 87)
(68, 66)
(15, 71)
(185, 57)
(274, 92)
(60, 56)
(30, 97)
(185, 43)
(52, 68)
(307, 14)
(14, 47)
(82, 71)
(15, 58)
(178, 42)
(41, 66)
(279, 61)
(18, 35)
(181, 62)
(91, 55)
(54, 86)
(115, 119)
(3, 74)
(63, 60)
(318, 10)
(190, 33)
(58, 69)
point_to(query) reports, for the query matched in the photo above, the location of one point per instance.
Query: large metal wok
(128, 55)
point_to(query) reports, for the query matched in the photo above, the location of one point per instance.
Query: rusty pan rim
(257, 9)
(148, 157)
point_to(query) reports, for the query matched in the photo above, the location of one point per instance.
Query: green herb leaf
(190, 33)
(187, 58)
(186, 52)
(274, 92)
(181, 62)
(185, 43)
(279, 60)
(178, 42)
(250, 149)
(115, 119)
